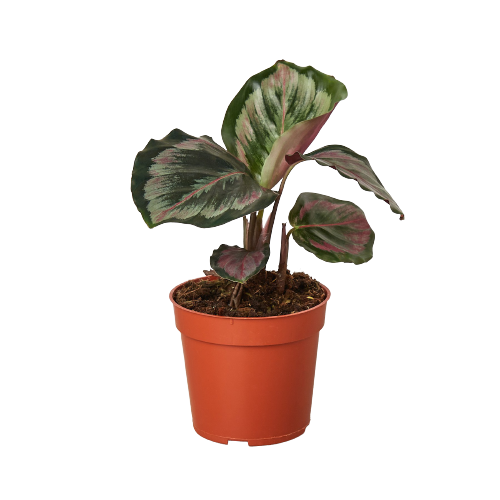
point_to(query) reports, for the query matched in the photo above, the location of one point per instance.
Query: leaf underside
(351, 165)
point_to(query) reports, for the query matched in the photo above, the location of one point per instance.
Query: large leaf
(237, 264)
(194, 181)
(351, 165)
(333, 230)
(277, 112)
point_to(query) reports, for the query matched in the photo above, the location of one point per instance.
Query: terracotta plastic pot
(250, 379)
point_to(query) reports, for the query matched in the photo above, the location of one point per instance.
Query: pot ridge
(270, 330)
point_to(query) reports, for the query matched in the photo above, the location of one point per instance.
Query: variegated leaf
(237, 264)
(193, 180)
(351, 165)
(277, 112)
(333, 230)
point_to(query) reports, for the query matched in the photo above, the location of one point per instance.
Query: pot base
(251, 442)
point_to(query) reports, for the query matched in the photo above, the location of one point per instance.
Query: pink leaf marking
(172, 155)
(333, 154)
(326, 246)
(248, 198)
(191, 144)
(164, 158)
(323, 204)
(247, 130)
(355, 246)
(359, 222)
(306, 208)
(241, 153)
(237, 266)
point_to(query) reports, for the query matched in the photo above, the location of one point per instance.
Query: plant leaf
(351, 165)
(237, 264)
(277, 112)
(193, 180)
(333, 230)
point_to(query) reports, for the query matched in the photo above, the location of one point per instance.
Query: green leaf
(351, 165)
(193, 181)
(333, 230)
(278, 112)
(237, 264)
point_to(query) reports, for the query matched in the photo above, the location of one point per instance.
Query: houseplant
(240, 389)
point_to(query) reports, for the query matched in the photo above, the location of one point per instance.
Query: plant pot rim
(213, 278)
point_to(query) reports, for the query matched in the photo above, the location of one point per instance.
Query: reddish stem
(272, 217)
(251, 230)
(281, 281)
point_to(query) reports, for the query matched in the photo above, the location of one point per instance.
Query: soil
(260, 297)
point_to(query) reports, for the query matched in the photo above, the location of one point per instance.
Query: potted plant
(251, 378)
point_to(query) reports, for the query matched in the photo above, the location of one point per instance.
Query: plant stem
(257, 230)
(251, 230)
(281, 281)
(251, 234)
(235, 299)
(245, 232)
(272, 217)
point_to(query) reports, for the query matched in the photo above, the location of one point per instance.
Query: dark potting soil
(260, 297)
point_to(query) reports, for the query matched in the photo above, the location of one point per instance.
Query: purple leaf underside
(352, 166)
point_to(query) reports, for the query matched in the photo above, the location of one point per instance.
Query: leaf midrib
(203, 187)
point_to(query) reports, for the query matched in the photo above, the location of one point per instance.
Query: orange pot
(250, 379)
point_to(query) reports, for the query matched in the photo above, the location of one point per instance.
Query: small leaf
(351, 165)
(193, 180)
(237, 264)
(333, 230)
